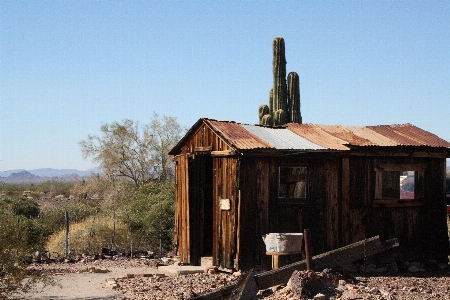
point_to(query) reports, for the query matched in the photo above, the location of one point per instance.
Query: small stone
(412, 289)
(319, 297)
(101, 271)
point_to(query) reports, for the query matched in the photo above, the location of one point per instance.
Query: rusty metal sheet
(410, 135)
(237, 135)
(282, 138)
(345, 134)
(317, 135)
(374, 138)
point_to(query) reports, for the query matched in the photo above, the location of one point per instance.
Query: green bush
(22, 206)
(90, 235)
(11, 190)
(55, 218)
(150, 214)
(19, 237)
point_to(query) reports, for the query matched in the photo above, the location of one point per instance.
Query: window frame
(419, 188)
(293, 200)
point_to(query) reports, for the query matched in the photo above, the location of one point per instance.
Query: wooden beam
(338, 257)
(223, 153)
(401, 167)
(203, 149)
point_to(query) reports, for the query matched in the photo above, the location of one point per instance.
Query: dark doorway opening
(201, 206)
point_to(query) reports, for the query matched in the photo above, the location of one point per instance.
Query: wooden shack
(237, 182)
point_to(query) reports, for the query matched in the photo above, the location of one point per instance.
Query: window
(399, 184)
(292, 184)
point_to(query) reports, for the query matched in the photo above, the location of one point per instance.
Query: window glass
(407, 185)
(292, 182)
(398, 185)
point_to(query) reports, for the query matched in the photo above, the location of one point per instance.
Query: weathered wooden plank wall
(225, 187)
(182, 208)
(339, 209)
(189, 239)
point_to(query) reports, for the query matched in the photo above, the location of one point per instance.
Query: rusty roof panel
(281, 138)
(345, 134)
(373, 138)
(317, 135)
(410, 135)
(237, 135)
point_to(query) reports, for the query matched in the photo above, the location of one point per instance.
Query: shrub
(150, 212)
(90, 235)
(55, 218)
(19, 237)
(22, 206)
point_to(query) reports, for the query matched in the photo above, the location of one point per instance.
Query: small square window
(292, 184)
(399, 184)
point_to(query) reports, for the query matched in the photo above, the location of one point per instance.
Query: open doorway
(201, 206)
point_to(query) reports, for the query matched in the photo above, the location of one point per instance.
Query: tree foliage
(151, 212)
(21, 234)
(139, 153)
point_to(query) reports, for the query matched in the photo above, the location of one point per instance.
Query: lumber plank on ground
(338, 257)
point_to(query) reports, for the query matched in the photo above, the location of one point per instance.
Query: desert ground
(143, 279)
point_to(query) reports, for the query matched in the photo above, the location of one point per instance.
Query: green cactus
(263, 110)
(279, 118)
(284, 99)
(294, 114)
(279, 74)
(271, 102)
(266, 120)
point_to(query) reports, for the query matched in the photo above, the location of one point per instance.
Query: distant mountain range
(41, 175)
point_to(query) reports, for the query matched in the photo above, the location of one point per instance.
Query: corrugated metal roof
(373, 138)
(282, 138)
(318, 137)
(410, 135)
(339, 137)
(237, 135)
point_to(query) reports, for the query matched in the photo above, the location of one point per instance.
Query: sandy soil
(85, 280)
(89, 280)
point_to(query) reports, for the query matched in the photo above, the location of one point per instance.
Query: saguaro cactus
(284, 100)
(279, 74)
(263, 110)
(294, 98)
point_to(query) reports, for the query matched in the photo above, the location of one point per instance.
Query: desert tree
(138, 153)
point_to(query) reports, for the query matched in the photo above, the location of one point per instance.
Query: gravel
(406, 283)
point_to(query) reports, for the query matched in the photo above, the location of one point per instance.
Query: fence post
(67, 234)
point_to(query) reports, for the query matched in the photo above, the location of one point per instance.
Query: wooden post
(307, 237)
(275, 260)
(67, 234)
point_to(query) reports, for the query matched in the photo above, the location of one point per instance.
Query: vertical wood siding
(339, 210)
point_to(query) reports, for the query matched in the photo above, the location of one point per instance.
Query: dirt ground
(141, 279)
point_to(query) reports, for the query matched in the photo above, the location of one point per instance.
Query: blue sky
(66, 67)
